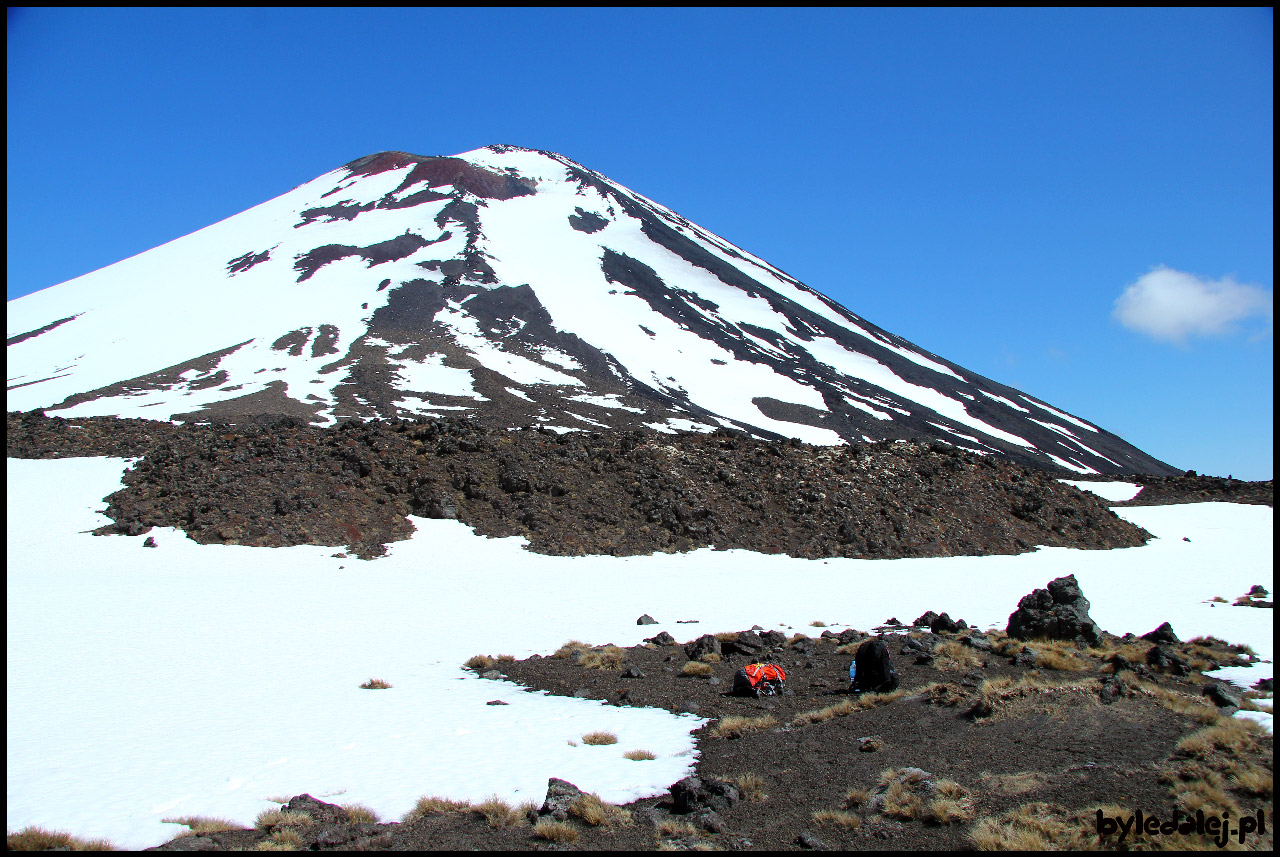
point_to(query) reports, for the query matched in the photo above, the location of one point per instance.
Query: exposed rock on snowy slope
(514, 286)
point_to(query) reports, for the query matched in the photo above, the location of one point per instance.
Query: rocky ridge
(276, 481)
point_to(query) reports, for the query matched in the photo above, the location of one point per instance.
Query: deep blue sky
(985, 183)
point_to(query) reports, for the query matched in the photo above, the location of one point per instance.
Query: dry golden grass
(596, 812)
(817, 623)
(361, 814)
(1229, 736)
(1014, 784)
(751, 786)
(901, 802)
(855, 797)
(1192, 706)
(281, 839)
(847, 820)
(955, 656)
(569, 648)
(1256, 782)
(280, 799)
(994, 694)
(203, 824)
(374, 684)
(480, 662)
(937, 693)
(604, 658)
(639, 755)
(849, 648)
(735, 726)
(1031, 827)
(696, 668)
(269, 818)
(38, 839)
(506, 659)
(948, 810)
(1200, 795)
(841, 709)
(599, 738)
(559, 832)
(499, 813)
(433, 805)
(711, 658)
(727, 636)
(796, 637)
(1061, 657)
(875, 700)
(667, 827)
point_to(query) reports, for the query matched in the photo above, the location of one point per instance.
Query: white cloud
(1173, 305)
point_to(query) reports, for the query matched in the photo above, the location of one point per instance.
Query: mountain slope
(515, 286)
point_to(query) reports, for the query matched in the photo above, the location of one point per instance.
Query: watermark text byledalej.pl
(1219, 829)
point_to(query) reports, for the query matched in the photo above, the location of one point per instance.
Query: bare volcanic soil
(985, 738)
(278, 481)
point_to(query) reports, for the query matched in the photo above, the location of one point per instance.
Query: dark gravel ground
(282, 482)
(1069, 744)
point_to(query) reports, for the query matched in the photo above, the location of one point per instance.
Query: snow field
(201, 679)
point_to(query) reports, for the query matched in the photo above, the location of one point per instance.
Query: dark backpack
(875, 673)
(759, 680)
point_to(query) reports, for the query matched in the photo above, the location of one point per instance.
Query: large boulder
(560, 796)
(319, 811)
(704, 645)
(1060, 612)
(694, 793)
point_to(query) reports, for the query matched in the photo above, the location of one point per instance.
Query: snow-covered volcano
(513, 285)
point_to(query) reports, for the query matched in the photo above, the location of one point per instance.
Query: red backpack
(759, 680)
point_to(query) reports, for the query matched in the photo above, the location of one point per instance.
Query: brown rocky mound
(279, 481)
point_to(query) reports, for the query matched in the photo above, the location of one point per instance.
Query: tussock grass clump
(596, 812)
(1059, 656)
(1229, 736)
(955, 656)
(602, 658)
(727, 636)
(711, 658)
(1255, 781)
(374, 684)
(697, 669)
(480, 663)
(639, 755)
(599, 738)
(994, 694)
(281, 839)
(1193, 706)
(1031, 827)
(559, 832)
(506, 659)
(203, 824)
(1200, 795)
(735, 726)
(817, 623)
(855, 797)
(39, 839)
(947, 810)
(842, 708)
(796, 638)
(361, 814)
(499, 813)
(270, 818)
(751, 786)
(667, 827)
(843, 818)
(434, 805)
(569, 648)
(868, 701)
(849, 648)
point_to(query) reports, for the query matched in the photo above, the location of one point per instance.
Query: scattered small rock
(150, 542)
(496, 702)
(1163, 634)
(646, 619)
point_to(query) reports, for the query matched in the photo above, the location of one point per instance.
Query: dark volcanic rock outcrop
(275, 481)
(1060, 612)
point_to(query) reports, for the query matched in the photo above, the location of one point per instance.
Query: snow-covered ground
(201, 679)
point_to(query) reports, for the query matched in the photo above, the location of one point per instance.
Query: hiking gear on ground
(873, 672)
(759, 680)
